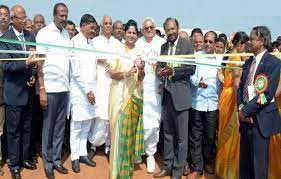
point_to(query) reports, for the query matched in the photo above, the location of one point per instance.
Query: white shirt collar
(17, 32)
(259, 57)
(54, 27)
(175, 43)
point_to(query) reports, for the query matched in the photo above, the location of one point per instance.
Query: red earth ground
(101, 171)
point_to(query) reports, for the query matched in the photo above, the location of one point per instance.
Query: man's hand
(32, 59)
(166, 71)
(103, 62)
(91, 98)
(242, 118)
(43, 97)
(202, 84)
(31, 81)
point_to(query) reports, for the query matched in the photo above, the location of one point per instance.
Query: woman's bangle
(41, 87)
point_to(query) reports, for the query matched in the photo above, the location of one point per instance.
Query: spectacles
(148, 28)
(211, 42)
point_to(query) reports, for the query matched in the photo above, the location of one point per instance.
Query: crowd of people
(222, 119)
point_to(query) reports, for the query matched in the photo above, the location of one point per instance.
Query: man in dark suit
(4, 26)
(258, 113)
(18, 94)
(176, 101)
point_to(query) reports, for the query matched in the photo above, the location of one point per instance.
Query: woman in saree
(125, 106)
(227, 160)
(274, 170)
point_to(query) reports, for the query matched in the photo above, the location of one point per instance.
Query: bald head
(18, 17)
(183, 35)
(17, 9)
(106, 26)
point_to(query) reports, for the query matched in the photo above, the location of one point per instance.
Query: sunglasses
(148, 28)
(211, 42)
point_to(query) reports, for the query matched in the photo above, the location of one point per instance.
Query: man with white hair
(99, 133)
(150, 43)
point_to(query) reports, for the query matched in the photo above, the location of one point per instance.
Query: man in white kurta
(100, 127)
(151, 45)
(82, 93)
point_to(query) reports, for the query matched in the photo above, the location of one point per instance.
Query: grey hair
(148, 19)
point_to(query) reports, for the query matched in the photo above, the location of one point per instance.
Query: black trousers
(202, 138)
(254, 151)
(175, 136)
(54, 117)
(18, 124)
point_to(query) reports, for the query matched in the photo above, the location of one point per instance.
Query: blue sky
(222, 15)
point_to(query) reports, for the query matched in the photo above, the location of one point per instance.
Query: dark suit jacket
(267, 115)
(16, 73)
(180, 82)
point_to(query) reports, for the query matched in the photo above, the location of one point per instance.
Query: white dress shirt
(56, 65)
(102, 43)
(151, 96)
(82, 80)
(258, 59)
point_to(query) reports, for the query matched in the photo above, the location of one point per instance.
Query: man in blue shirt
(203, 119)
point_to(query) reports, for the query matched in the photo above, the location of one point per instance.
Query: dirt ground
(101, 171)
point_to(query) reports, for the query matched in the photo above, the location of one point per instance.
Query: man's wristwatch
(240, 107)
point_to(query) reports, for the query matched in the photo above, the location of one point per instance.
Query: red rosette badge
(261, 84)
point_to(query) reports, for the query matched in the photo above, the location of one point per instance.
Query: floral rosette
(261, 84)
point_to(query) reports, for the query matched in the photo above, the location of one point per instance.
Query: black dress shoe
(29, 165)
(87, 161)
(162, 173)
(91, 153)
(50, 174)
(76, 166)
(15, 174)
(60, 168)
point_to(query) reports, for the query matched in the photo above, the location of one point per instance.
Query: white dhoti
(99, 133)
(78, 138)
(151, 110)
(151, 138)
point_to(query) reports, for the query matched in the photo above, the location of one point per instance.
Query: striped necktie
(249, 81)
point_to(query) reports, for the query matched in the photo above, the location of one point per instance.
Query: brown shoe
(161, 174)
(186, 170)
(209, 168)
(194, 175)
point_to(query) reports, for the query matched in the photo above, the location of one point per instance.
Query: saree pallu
(227, 158)
(274, 167)
(128, 140)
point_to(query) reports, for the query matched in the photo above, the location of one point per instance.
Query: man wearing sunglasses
(150, 43)
(204, 112)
